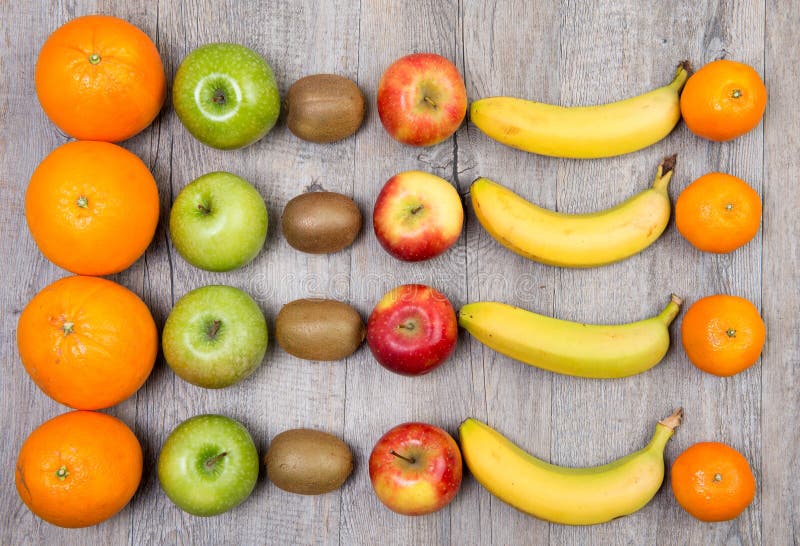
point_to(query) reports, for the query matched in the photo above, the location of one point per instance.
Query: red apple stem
(430, 101)
(406, 459)
(410, 325)
(214, 460)
(417, 209)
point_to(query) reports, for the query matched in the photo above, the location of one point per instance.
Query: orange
(718, 213)
(712, 481)
(87, 342)
(79, 469)
(92, 207)
(722, 334)
(723, 100)
(100, 78)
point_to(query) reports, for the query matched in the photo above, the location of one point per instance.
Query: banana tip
(668, 164)
(673, 421)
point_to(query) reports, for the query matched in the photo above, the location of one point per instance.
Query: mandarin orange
(723, 100)
(712, 481)
(723, 335)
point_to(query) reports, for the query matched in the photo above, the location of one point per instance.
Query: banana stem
(665, 429)
(671, 310)
(664, 172)
(681, 76)
(673, 421)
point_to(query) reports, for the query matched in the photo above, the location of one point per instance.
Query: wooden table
(568, 53)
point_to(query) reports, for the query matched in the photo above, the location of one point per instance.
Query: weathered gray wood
(504, 57)
(377, 399)
(780, 299)
(569, 53)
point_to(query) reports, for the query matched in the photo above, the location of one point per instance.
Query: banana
(582, 131)
(571, 348)
(572, 496)
(574, 240)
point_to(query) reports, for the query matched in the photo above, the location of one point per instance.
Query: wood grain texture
(569, 52)
(780, 298)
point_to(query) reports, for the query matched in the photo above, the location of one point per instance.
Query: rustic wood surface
(572, 52)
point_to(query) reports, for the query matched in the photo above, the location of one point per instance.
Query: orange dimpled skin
(92, 207)
(723, 335)
(79, 469)
(712, 481)
(718, 213)
(100, 78)
(723, 100)
(87, 342)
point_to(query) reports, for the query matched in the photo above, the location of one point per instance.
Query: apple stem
(430, 101)
(406, 459)
(212, 332)
(204, 209)
(219, 97)
(417, 209)
(214, 460)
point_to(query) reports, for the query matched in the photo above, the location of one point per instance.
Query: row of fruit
(225, 95)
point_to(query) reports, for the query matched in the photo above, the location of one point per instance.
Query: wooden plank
(780, 363)
(285, 392)
(34, 136)
(377, 400)
(504, 57)
(601, 61)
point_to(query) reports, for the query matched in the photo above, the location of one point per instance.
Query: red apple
(422, 99)
(415, 469)
(412, 330)
(417, 216)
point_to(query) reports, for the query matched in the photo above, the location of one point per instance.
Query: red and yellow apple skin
(415, 469)
(417, 216)
(412, 330)
(422, 99)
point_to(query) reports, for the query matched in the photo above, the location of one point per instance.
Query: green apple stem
(203, 208)
(212, 332)
(406, 459)
(210, 463)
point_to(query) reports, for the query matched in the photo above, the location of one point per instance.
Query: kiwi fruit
(319, 329)
(320, 222)
(308, 462)
(324, 108)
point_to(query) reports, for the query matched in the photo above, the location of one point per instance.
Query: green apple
(208, 465)
(226, 95)
(218, 222)
(215, 336)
